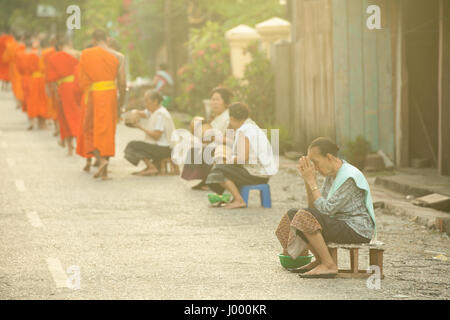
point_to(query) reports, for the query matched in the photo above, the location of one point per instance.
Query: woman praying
(340, 212)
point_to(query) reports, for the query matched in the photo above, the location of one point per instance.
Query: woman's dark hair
(326, 146)
(225, 93)
(239, 111)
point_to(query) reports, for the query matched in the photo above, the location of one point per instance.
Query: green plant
(356, 151)
(230, 13)
(284, 135)
(259, 91)
(208, 69)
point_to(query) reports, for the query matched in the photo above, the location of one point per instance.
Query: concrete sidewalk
(416, 182)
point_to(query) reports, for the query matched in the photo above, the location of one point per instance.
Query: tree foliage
(231, 13)
(209, 67)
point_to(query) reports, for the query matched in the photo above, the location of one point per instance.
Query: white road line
(34, 219)
(11, 162)
(20, 185)
(57, 271)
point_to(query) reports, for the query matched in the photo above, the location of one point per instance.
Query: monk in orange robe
(23, 67)
(82, 148)
(101, 76)
(4, 67)
(37, 97)
(13, 48)
(51, 94)
(62, 66)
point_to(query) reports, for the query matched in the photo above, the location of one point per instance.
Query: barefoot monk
(61, 70)
(101, 77)
(12, 49)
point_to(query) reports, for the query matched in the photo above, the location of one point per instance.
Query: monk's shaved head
(99, 36)
(61, 40)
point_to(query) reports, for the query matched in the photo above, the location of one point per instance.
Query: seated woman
(220, 100)
(251, 162)
(158, 131)
(341, 212)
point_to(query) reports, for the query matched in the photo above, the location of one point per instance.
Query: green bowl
(215, 198)
(289, 263)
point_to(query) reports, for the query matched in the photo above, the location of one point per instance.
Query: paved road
(154, 238)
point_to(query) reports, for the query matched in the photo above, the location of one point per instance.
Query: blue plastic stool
(264, 191)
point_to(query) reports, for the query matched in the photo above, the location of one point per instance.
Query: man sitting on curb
(158, 129)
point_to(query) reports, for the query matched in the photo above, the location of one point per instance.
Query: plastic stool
(264, 191)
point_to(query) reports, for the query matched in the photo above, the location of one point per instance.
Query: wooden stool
(167, 167)
(375, 258)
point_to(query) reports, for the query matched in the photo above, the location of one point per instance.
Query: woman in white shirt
(220, 100)
(252, 161)
(158, 131)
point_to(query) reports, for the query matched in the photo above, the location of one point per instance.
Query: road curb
(432, 219)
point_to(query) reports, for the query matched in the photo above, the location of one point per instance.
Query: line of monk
(79, 92)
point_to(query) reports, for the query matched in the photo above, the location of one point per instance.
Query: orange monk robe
(61, 68)
(99, 68)
(52, 113)
(23, 67)
(13, 48)
(37, 97)
(4, 66)
(84, 130)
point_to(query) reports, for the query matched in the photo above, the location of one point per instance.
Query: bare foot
(138, 172)
(310, 266)
(97, 163)
(147, 173)
(101, 170)
(322, 269)
(236, 205)
(87, 167)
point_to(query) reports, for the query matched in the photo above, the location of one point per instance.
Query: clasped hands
(307, 171)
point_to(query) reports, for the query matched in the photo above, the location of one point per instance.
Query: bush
(257, 89)
(356, 152)
(284, 136)
(209, 68)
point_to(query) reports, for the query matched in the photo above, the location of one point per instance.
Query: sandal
(299, 270)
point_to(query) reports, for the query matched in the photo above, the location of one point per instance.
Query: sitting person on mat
(250, 162)
(158, 130)
(220, 100)
(340, 212)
